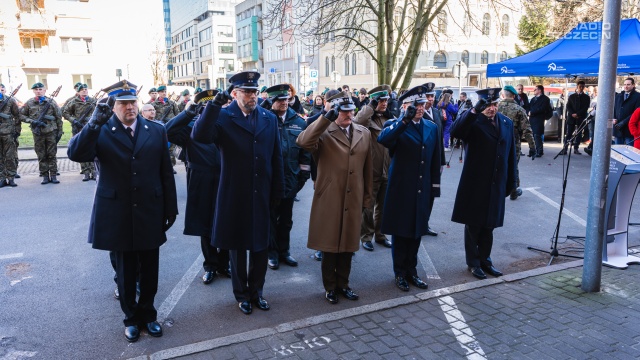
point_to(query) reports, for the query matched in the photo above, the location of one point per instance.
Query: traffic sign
(335, 76)
(313, 74)
(272, 70)
(459, 70)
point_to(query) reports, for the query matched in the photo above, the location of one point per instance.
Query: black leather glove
(481, 105)
(409, 114)
(618, 126)
(59, 136)
(100, 115)
(374, 104)
(266, 104)
(193, 110)
(168, 222)
(223, 97)
(38, 123)
(332, 114)
(76, 124)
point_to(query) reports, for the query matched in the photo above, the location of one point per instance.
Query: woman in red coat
(634, 127)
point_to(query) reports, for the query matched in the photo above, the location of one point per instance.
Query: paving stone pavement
(539, 317)
(30, 167)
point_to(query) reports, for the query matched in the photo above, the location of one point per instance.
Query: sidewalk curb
(342, 314)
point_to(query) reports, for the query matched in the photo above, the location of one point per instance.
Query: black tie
(626, 96)
(346, 133)
(130, 132)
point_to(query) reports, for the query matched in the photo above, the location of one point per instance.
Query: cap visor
(347, 107)
(126, 97)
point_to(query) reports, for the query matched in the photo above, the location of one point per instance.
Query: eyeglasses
(249, 91)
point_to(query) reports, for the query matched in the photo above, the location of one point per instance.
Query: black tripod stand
(554, 247)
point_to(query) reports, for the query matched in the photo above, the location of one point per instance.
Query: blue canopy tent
(575, 53)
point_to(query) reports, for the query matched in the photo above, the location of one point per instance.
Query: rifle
(13, 93)
(37, 130)
(166, 112)
(77, 124)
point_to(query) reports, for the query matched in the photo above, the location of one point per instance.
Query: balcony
(40, 60)
(36, 22)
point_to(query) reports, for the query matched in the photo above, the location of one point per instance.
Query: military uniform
(9, 132)
(166, 110)
(184, 101)
(45, 143)
(521, 127)
(77, 112)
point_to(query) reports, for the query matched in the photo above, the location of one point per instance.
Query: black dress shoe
(54, 180)
(317, 255)
(3, 183)
(431, 232)
(45, 180)
(261, 303)
(132, 333)
(11, 183)
(224, 272)
(273, 264)
(367, 245)
(386, 242)
(519, 192)
(17, 176)
(245, 307)
(331, 296)
(154, 329)
(174, 172)
(588, 151)
(289, 260)
(417, 282)
(491, 270)
(478, 273)
(349, 294)
(513, 195)
(208, 277)
(116, 294)
(402, 283)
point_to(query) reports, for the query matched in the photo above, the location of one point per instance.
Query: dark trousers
(404, 252)
(127, 265)
(571, 127)
(537, 138)
(429, 210)
(248, 286)
(281, 224)
(336, 268)
(478, 241)
(372, 217)
(213, 260)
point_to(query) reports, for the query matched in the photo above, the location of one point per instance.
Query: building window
(346, 64)
(225, 48)
(503, 56)
(228, 64)
(486, 24)
(76, 46)
(30, 6)
(225, 30)
(205, 50)
(83, 78)
(465, 57)
(31, 44)
(504, 26)
(399, 60)
(442, 22)
(333, 63)
(287, 51)
(353, 64)
(440, 59)
(205, 34)
(484, 59)
(326, 66)
(35, 78)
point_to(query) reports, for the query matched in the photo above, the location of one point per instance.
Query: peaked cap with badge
(379, 92)
(492, 95)
(204, 96)
(280, 92)
(122, 90)
(343, 99)
(245, 80)
(416, 95)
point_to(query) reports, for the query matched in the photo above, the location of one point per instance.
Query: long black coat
(414, 176)
(538, 108)
(296, 161)
(251, 175)
(135, 190)
(437, 119)
(488, 174)
(623, 110)
(203, 176)
(577, 104)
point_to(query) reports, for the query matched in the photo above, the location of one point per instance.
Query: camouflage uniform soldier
(78, 111)
(521, 127)
(166, 109)
(18, 130)
(9, 131)
(49, 129)
(153, 94)
(186, 97)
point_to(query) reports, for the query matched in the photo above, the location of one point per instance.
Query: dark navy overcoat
(414, 176)
(251, 173)
(488, 173)
(135, 188)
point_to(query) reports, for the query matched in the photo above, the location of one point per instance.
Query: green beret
(76, 85)
(37, 85)
(1, 85)
(263, 89)
(152, 90)
(510, 89)
(198, 90)
(162, 88)
(309, 92)
(185, 92)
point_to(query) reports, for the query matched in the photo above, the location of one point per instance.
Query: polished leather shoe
(11, 183)
(208, 277)
(289, 260)
(417, 282)
(519, 192)
(245, 307)
(261, 303)
(575, 151)
(273, 264)
(367, 245)
(317, 255)
(54, 180)
(386, 242)
(431, 232)
(349, 294)
(132, 333)
(224, 272)
(17, 176)
(331, 296)
(116, 294)
(154, 329)
(402, 283)
(45, 180)
(513, 195)
(478, 273)
(492, 270)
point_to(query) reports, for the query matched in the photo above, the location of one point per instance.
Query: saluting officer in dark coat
(135, 201)
(414, 179)
(251, 179)
(297, 169)
(435, 117)
(203, 179)
(488, 176)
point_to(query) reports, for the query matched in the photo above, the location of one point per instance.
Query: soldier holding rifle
(77, 112)
(9, 132)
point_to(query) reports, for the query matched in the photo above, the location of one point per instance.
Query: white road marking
(15, 355)
(427, 264)
(13, 282)
(11, 256)
(460, 329)
(170, 302)
(575, 217)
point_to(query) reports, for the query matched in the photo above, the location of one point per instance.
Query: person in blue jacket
(414, 179)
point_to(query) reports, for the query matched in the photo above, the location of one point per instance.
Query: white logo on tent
(552, 67)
